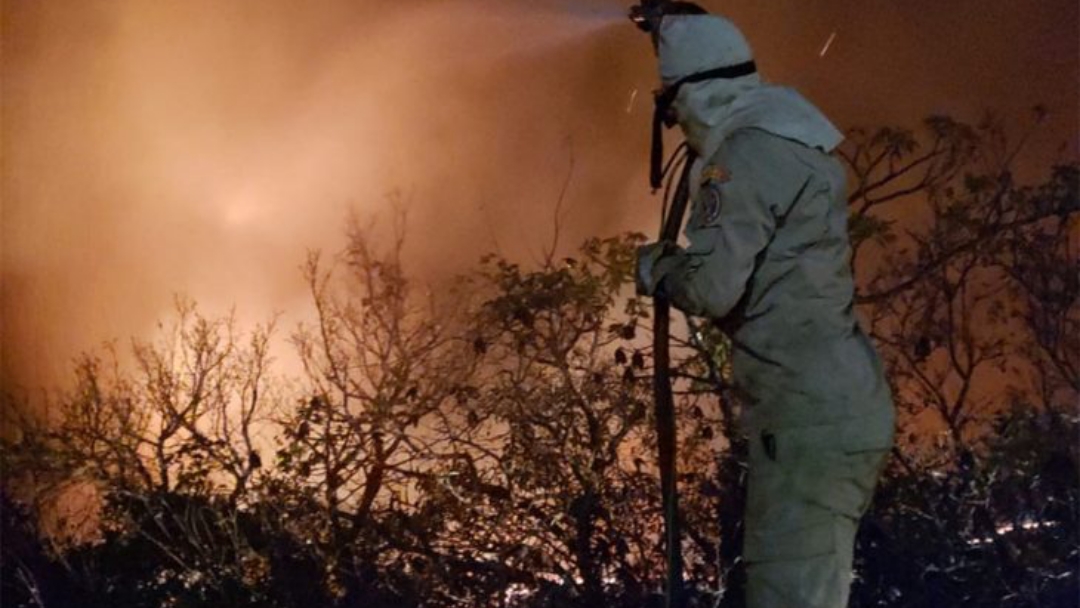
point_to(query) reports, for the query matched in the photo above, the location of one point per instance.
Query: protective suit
(768, 260)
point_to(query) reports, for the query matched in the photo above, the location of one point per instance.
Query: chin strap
(662, 106)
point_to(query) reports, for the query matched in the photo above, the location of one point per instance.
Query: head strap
(663, 102)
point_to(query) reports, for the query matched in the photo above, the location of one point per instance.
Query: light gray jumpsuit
(768, 259)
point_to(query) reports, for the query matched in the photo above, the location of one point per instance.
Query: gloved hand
(654, 261)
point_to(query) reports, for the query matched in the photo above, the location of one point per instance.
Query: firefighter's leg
(806, 494)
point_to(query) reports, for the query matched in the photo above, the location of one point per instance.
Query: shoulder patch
(710, 202)
(714, 173)
(712, 176)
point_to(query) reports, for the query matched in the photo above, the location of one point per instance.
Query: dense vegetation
(491, 445)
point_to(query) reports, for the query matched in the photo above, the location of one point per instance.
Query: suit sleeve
(732, 221)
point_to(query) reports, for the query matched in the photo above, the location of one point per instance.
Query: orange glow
(202, 146)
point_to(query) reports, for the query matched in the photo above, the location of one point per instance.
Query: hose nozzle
(647, 14)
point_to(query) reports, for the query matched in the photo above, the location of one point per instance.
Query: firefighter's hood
(711, 110)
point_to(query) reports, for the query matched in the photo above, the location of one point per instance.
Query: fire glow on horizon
(203, 147)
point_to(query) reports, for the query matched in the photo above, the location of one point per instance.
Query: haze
(200, 147)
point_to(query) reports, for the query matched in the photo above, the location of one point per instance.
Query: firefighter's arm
(731, 223)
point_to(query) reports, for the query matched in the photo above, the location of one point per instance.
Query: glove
(654, 262)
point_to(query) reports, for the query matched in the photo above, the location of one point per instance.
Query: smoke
(203, 146)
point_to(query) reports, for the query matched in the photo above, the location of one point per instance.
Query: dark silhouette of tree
(491, 445)
(976, 314)
(157, 458)
(384, 369)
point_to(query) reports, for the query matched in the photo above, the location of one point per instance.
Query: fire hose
(665, 401)
(647, 16)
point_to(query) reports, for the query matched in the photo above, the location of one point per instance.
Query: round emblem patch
(710, 203)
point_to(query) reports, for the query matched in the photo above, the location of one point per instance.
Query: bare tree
(382, 364)
(159, 447)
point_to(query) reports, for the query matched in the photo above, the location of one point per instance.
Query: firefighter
(768, 260)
